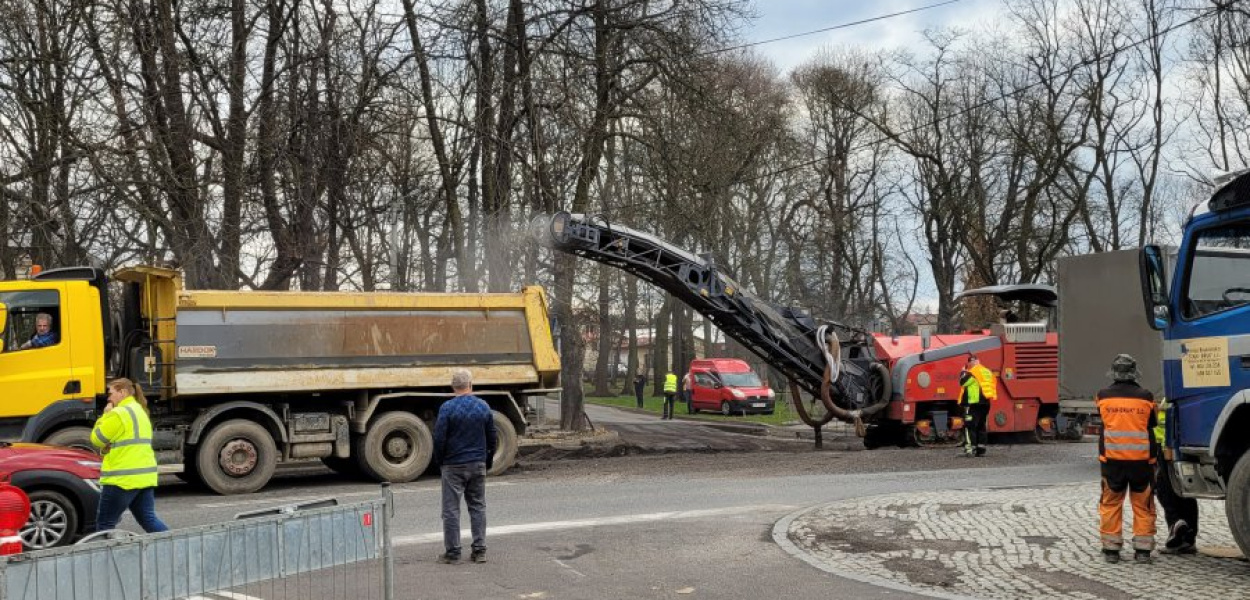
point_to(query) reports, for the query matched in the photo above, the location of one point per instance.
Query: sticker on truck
(1204, 362)
(197, 351)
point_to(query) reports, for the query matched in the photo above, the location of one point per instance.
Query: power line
(990, 101)
(831, 28)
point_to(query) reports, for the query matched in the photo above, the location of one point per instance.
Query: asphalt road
(684, 524)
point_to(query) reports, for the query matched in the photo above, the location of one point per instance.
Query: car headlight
(772, 394)
(737, 393)
(94, 484)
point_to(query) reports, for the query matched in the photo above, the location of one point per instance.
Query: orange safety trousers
(1118, 479)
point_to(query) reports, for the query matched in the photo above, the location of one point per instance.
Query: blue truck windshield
(1219, 278)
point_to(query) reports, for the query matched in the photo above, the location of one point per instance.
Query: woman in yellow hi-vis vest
(128, 475)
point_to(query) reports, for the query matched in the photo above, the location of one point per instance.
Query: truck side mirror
(926, 339)
(1154, 287)
(4, 317)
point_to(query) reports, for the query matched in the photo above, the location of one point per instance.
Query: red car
(64, 489)
(728, 385)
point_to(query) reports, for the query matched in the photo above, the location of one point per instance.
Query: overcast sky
(778, 18)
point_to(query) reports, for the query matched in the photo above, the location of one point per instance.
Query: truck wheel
(347, 467)
(190, 473)
(397, 448)
(725, 410)
(1237, 504)
(72, 437)
(506, 448)
(236, 457)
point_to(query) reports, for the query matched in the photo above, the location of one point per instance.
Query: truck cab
(1204, 316)
(66, 366)
(728, 386)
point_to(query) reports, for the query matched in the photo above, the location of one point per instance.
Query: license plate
(758, 405)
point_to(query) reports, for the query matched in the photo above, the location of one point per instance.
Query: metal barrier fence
(286, 553)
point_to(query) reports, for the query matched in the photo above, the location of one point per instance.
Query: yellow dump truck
(239, 381)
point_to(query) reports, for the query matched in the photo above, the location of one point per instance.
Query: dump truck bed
(231, 342)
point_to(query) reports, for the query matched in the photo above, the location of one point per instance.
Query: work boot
(1180, 540)
(1142, 557)
(1183, 548)
(478, 556)
(980, 451)
(448, 559)
(1111, 556)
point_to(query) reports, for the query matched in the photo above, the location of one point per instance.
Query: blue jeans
(142, 504)
(467, 480)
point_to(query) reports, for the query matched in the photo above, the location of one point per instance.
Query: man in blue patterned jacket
(464, 449)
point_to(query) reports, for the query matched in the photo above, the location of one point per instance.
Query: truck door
(36, 367)
(1207, 347)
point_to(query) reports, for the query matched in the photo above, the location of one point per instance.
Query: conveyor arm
(808, 352)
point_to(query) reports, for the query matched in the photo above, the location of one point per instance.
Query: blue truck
(1204, 317)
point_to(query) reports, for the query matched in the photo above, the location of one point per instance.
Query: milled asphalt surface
(676, 508)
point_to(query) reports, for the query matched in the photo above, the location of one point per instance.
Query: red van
(728, 385)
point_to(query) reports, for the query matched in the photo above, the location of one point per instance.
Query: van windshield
(740, 379)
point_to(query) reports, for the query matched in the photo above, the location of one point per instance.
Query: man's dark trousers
(468, 480)
(638, 385)
(1175, 508)
(668, 405)
(978, 432)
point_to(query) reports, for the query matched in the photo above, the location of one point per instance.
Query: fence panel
(334, 552)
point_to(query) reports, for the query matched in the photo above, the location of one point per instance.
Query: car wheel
(53, 521)
(724, 409)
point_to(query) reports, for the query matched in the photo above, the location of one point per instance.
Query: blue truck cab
(1204, 315)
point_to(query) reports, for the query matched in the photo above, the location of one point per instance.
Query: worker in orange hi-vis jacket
(1127, 451)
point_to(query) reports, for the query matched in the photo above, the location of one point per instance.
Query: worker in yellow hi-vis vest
(978, 388)
(128, 474)
(670, 392)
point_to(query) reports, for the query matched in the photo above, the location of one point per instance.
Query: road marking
(296, 500)
(223, 596)
(562, 564)
(427, 538)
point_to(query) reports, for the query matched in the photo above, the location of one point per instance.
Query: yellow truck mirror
(4, 316)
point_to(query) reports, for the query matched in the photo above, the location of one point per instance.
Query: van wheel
(237, 457)
(72, 437)
(724, 409)
(506, 449)
(397, 448)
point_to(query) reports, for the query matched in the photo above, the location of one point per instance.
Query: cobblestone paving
(1007, 543)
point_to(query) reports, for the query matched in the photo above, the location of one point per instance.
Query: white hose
(832, 349)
